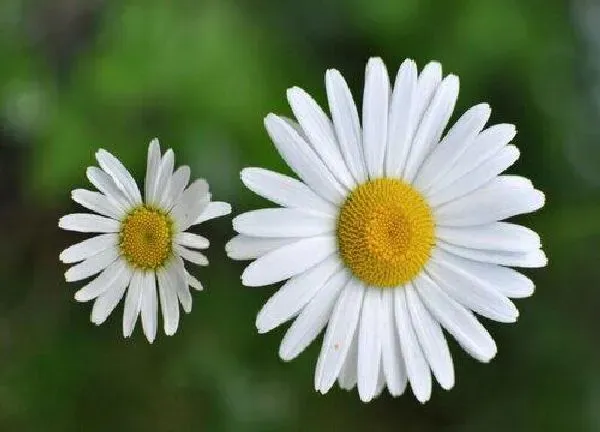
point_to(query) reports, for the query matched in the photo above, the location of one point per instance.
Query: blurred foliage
(77, 75)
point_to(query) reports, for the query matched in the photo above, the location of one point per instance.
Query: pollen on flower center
(385, 232)
(146, 238)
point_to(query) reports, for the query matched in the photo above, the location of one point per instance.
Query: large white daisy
(143, 241)
(393, 232)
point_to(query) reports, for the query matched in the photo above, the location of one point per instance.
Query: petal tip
(332, 74)
(541, 198)
(433, 67)
(453, 82)
(294, 92)
(227, 209)
(447, 384)
(69, 276)
(365, 398)
(375, 61)
(248, 278)
(285, 354)
(61, 222)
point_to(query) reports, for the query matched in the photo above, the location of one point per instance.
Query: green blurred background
(76, 75)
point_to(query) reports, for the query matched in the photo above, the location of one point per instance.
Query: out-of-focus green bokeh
(77, 75)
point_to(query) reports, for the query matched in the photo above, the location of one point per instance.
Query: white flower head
(393, 232)
(142, 241)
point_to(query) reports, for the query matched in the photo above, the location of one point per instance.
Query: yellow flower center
(385, 232)
(146, 238)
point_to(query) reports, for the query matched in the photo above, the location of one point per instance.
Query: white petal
(499, 236)
(191, 255)
(375, 116)
(402, 118)
(179, 273)
(175, 187)
(427, 84)
(185, 297)
(487, 143)
(133, 303)
(242, 247)
(121, 176)
(432, 125)
(152, 168)
(295, 294)
(193, 282)
(503, 279)
(190, 206)
(414, 359)
(149, 310)
(213, 210)
(347, 377)
(454, 144)
(92, 265)
(432, 340)
(503, 197)
(191, 240)
(369, 344)
(313, 318)
(87, 248)
(477, 178)
(108, 300)
(285, 191)
(303, 160)
(452, 274)
(105, 184)
(103, 282)
(510, 282)
(283, 222)
(163, 175)
(85, 222)
(346, 123)
(167, 290)
(97, 202)
(339, 335)
(459, 322)
(288, 261)
(392, 360)
(532, 259)
(318, 129)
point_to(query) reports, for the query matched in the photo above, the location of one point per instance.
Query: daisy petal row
(372, 199)
(141, 244)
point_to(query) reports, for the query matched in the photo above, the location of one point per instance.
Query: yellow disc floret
(385, 232)
(146, 238)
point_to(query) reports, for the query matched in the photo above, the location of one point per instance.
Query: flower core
(385, 232)
(146, 238)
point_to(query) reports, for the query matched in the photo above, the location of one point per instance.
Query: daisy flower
(142, 242)
(393, 233)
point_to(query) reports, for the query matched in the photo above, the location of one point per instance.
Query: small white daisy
(392, 235)
(143, 240)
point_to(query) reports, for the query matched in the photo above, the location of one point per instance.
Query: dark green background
(76, 75)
